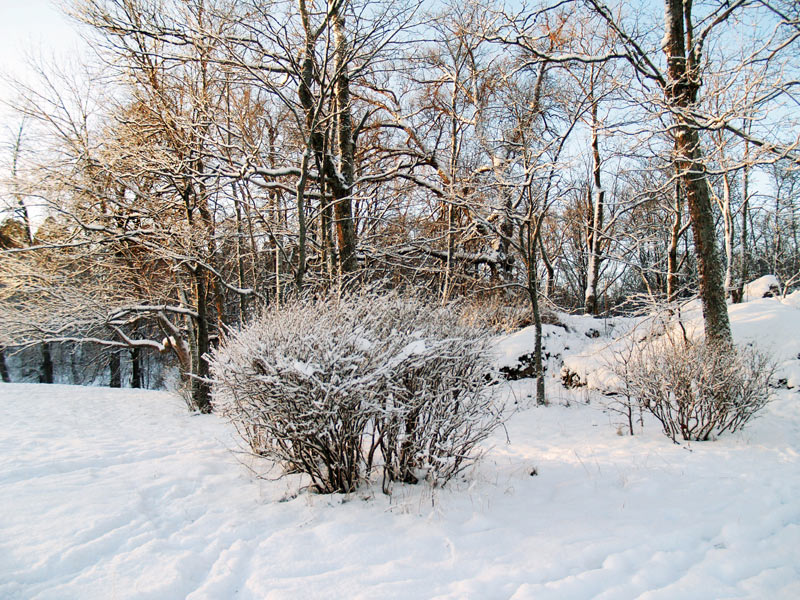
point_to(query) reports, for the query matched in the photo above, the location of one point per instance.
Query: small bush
(336, 388)
(695, 390)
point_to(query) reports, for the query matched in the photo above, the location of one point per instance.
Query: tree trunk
(136, 368)
(777, 238)
(595, 223)
(709, 265)
(342, 207)
(681, 96)
(240, 259)
(300, 190)
(339, 182)
(201, 393)
(3, 366)
(548, 266)
(674, 239)
(46, 373)
(744, 256)
(115, 378)
(727, 220)
(531, 240)
(328, 250)
(448, 270)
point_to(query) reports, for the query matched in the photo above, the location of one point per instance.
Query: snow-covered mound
(772, 324)
(572, 334)
(577, 351)
(767, 286)
(792, 299)
(122, 494)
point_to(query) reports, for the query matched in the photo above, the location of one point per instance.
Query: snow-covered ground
(121, 494)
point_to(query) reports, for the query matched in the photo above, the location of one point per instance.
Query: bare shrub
(298, 385)
(337, 387)
(696, 390)
(621, 399)
(440, 404)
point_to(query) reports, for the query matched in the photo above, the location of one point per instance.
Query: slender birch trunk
(744, 255)
(595, 222)
(674, 239)
(343, 209)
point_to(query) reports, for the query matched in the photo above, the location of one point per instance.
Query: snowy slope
(121, 494)
(772, 324)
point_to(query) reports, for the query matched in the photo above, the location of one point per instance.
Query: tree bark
(136, 368)
(46, 373)
(744, 257)
(727, 221)
(342, 208)
(339, 182)
(595, 223)
(448, 270)
(548, 266)
(3, 366)
(240, 259)
(709, 265)
(681, 95)
(300, 190)
(201, 392)
(530, 241)
(115, 379)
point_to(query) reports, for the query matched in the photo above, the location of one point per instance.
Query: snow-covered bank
(121, 494)
(772, 324)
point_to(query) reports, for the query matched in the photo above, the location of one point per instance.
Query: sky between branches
(31, 26)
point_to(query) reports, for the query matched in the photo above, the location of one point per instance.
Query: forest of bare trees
(213, 159)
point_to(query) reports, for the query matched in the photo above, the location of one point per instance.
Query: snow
(573, 333)
(758, 288)
(122, 494)
(792, 299)
(772, 324)
(306, 369)
(414, 348)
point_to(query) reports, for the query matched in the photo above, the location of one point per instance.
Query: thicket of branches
(696, 390)
(336, 388)
(220, 156)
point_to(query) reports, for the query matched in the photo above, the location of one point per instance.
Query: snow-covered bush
(298, 384)
(696, 390)
(439, 403)
(335, 388)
